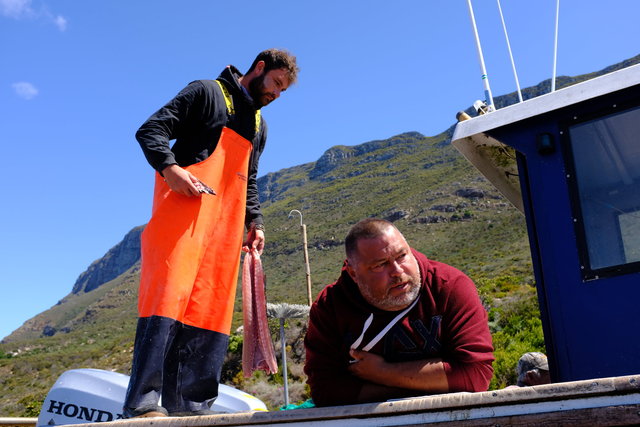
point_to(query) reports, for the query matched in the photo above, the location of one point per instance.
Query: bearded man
(395, 324)
(205, 194)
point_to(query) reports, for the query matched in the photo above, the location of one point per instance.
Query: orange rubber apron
(191, 246)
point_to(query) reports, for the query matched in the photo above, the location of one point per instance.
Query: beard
(390, 302)
(257, 92)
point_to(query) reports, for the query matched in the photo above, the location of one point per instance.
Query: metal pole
(555, 48)
(303, 228)
(284, 363)
(485, 78)
(16, 421)
(306, 262)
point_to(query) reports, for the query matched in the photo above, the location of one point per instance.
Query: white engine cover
(93, 395)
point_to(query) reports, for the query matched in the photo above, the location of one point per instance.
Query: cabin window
(630, 229)
(606, 164)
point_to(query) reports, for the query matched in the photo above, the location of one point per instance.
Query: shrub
(516, 329)
(31, 404)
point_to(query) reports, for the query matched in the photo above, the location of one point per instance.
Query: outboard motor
(93, 395)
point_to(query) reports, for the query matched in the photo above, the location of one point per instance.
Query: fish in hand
(257, 347)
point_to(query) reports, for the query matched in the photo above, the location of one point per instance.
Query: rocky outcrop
(396, 215)
(470, 193)
(330, 160)
(431, 219)
(326, 244)
(273, 186)
(115, 262)
(443, 208)
(336, 156)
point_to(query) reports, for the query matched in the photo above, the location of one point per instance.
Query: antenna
(513, 64)
(555, 48)
(485, 79)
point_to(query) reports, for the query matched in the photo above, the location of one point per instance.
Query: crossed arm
(390, 380)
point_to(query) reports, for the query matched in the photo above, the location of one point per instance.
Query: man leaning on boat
(395, 324)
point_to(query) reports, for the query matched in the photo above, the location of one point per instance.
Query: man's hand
(426, 375)
(255, 240)
(180, 181)
(367, 366)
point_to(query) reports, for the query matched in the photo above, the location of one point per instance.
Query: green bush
(235, 344)
(516, 329)
(31, 404)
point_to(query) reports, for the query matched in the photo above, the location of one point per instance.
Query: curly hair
(275, 59)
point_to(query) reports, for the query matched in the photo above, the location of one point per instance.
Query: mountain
(115, 262)
(421, 183)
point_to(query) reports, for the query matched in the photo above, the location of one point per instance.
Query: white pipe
(555, 48)
(284, 363)
(513, 64)
(485, 78)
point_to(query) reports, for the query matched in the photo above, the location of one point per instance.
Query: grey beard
(391, 303)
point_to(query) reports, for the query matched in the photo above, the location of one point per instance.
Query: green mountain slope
(437, 199)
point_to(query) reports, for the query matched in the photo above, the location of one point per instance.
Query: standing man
(395, 324)
(205, 191)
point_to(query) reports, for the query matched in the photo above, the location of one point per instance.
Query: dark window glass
(606, 155)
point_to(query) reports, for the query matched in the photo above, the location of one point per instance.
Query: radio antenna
(555, 49)
(485, 78)
(513, 64)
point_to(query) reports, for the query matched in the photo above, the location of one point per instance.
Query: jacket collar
(229, 76)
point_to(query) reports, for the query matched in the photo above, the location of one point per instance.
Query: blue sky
(77, 78)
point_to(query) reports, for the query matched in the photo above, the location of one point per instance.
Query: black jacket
(195, 118)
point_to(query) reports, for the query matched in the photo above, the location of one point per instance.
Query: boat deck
(602, 402)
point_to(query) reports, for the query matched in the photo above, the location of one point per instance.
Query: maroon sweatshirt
(448, 322)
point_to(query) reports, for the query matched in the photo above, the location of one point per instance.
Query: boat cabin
(570, 162)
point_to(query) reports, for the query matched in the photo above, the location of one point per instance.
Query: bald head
(368, 228)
